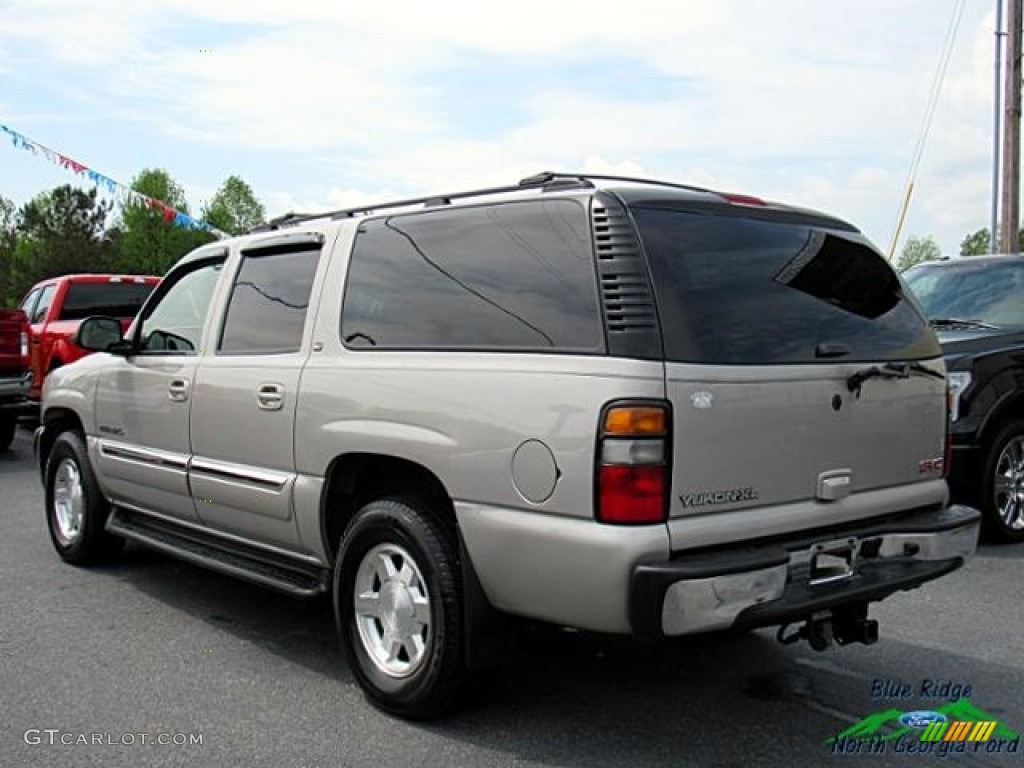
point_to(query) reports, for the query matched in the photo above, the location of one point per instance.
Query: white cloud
(814, 103)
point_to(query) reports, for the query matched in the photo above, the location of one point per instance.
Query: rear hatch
(766, 315)
(13, 342)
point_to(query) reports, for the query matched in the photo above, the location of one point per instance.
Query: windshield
(986, 292)
(740, 290)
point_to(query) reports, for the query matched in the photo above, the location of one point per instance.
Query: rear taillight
(632, 479)
(24, 347)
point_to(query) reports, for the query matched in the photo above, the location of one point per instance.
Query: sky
(321, 105)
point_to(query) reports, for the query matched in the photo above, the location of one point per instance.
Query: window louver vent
(630, 317)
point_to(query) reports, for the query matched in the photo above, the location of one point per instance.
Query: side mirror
(101, 334)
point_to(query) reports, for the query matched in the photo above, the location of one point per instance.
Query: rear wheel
(398, 604)
(7, 425)
(76, 511)
(1002, 492)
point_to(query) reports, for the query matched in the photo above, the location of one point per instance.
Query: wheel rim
(1008, 487)
(392, 610)
(68, 502)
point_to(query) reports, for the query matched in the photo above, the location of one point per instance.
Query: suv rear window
(737, 290)
(123, 299)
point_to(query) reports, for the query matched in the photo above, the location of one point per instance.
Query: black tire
(8, 423)
(83, 542)
(389, 530)
(1001, 498)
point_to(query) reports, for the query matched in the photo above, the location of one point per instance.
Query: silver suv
(619, 405)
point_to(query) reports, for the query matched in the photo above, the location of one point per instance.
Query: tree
(918, 249)
(8, 241)
(234, 209)
(976, 243)
(150, 243)
(59, 232)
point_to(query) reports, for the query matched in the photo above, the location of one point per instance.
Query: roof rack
(547, 181)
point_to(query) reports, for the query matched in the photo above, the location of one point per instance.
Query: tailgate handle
(834, 484)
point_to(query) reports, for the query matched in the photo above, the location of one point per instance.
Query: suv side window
(267, 308)
(174, 324)
(510, 276)
(45, 300)
(29, 303)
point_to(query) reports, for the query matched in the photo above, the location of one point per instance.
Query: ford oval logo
(922, 718)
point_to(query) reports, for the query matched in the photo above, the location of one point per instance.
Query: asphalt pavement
(99, 667)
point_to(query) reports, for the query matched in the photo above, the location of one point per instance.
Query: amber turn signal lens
(635, 420)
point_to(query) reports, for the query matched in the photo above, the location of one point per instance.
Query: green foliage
(234, 209)
(59, 232)
(149, 244)
(916, 250)
(976, 243)
(66, 230)
(8, 241)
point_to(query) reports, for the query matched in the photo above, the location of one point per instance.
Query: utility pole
(1009, 241)
(997, 130)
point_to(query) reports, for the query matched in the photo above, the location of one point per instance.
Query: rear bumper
(788, 580)
(14, 391)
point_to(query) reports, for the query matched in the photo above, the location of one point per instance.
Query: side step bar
(280, 574)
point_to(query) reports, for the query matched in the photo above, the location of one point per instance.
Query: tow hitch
(842, 625)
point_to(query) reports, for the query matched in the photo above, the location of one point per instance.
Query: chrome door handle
(270, 396)
(177, 390)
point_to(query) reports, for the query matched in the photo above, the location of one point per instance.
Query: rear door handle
(177, 390)
(270, 396)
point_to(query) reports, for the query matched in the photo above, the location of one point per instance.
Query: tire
(75, 509)
(404, 640)
(8, 423)
(1002, 485)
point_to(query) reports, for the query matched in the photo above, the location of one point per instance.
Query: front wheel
(1002, 493)
(398, 604)
(76, 511)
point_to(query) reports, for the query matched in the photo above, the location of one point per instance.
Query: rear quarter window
(735, 290)
(514, 276)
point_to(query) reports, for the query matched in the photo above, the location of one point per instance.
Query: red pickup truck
(14, 372)
(56, 306)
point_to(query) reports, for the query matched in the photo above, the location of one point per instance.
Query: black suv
(977, 307)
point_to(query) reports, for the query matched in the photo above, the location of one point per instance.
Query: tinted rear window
(122, 299)
(732, 290)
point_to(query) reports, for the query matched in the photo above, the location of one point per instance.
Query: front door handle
(177, 390)
(270, 396)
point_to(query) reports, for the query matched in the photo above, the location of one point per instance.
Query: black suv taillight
(631, 477)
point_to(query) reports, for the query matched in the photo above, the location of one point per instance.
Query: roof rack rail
(549, 177)
(546, 181)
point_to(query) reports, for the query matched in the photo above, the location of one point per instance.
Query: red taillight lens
(632, 478)
(632, 494)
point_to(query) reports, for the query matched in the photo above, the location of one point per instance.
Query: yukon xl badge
(711, 498)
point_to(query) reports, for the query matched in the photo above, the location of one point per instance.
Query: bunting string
(123, 194)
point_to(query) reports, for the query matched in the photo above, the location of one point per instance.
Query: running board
(242, 562)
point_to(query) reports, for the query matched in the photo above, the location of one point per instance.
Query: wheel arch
(54, 422)
(1007, 410)
(354, 479)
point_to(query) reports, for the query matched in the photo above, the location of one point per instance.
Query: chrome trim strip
(313, 560)
(152, 456)
(240, 472)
